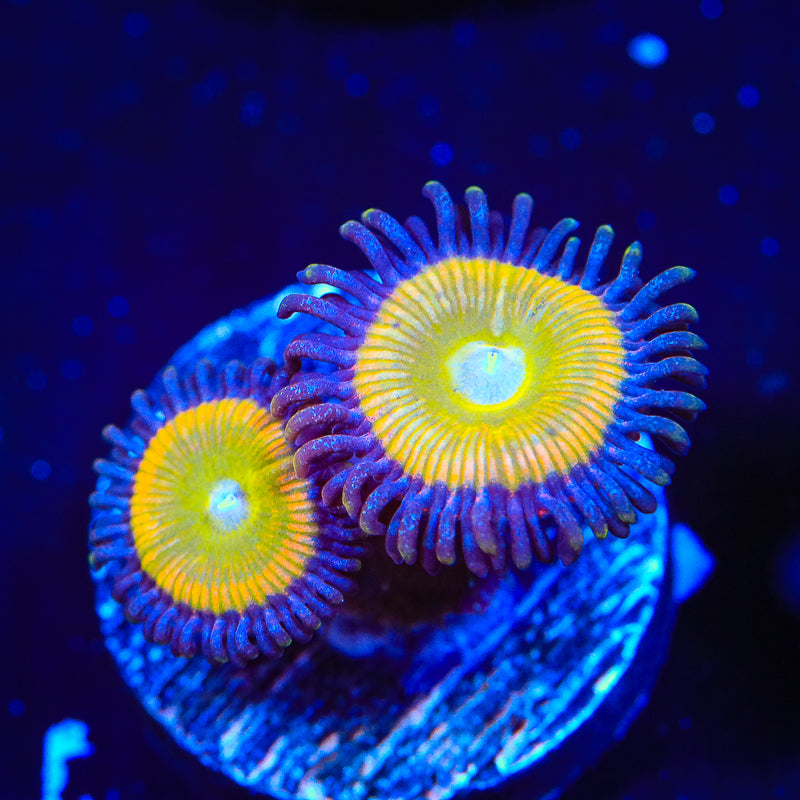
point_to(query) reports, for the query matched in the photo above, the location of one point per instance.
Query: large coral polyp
(219, 547)
(487, 394)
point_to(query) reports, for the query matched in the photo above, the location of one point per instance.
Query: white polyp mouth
(486, 374)
(228, 505)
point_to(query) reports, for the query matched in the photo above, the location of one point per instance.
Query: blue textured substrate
(530, 690)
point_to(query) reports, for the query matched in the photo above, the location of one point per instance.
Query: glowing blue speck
(728, 195)
(570, 138)
(252, 110)
(82, 325)
(703, 123)
(16, 707)
(770, 246)
(136, 24)
(465, 32)
(748, 96)
(648, 50)
(107, 609)
(656, 148)
(441, 154)
(711, 9)
(693, 563)
(62, 742)
(40, 470)
(773, 383)
(118, 306)
(357, 85)
(211, 86)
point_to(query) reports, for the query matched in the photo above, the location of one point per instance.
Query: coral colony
(447, 421)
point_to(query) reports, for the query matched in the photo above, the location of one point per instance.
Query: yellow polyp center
(477, 372)
(219, 520)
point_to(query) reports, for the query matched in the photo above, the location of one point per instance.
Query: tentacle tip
(301, 465)
(108, 432)
(350, 227)
(490, 548)
(523, 563)
(352, 507)
(567, 557)
(284, 309)
(407, 555)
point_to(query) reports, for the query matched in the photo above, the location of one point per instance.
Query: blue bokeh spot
(464, 32)
(136, 24)
(648, 50)
(770, 246)
(703, 123)
(357, 85)
(118, 306)
(16, 708)
(728, 195)
(711, 9)
(40, 470)
(570, 138)
(441, 154)
(252, 110)
(82, 325)
(748, 96)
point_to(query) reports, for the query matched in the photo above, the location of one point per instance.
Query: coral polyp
(219, 548)
(487, 394)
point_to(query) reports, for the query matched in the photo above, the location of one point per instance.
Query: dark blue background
(164, 162)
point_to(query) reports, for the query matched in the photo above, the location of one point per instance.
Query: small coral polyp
(219, 547)
(487, 394)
